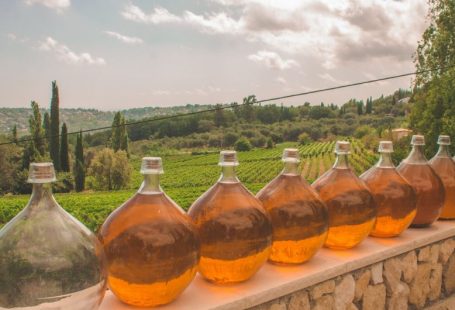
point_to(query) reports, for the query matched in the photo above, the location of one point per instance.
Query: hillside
(76, 119)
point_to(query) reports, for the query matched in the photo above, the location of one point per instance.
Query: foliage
(64, 156)
(54, 142)
(111, 170)
(79, 169)
(242, 145)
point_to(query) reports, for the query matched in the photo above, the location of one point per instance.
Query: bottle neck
(40, 191)
(385, 161)
(291, 168)
(228, 175)
(416, 156)
(443, 151)
(151, 184)
(342, 162)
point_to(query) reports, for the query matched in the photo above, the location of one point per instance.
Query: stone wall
(424, 277)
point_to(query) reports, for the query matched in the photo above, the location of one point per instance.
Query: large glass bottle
(48, 259)
(299, 217)
(428, 186)
(234, 228)
(352, 209)
(444, 166)
(394, 196)
(152, 247)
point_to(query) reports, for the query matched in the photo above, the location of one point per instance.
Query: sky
(119, 54)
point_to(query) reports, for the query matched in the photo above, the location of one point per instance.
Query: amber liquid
(235, 233)
(429, 190)
(445, 169)
(395, 198)
(152, 250)
(352, 209)
(299, 219)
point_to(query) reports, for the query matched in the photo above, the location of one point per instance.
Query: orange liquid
(152, 250)
(352, 209)
(445, 169)
(429, 189)
(395, 198)
(299, 219)
(235, 233)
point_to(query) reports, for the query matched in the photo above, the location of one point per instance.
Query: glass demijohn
(234, 228)
(48, 259)
(151, 245)
(444, 167)
(299, 217)
(352, 209)
(394, 196)
(428, 186)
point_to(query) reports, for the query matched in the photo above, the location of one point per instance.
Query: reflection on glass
(352, 209)
(48, 259)
(151, 245)
(394, 196)
(299, 217)
(234, 229)
(428, 186)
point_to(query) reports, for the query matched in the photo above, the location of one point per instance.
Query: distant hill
(77, 119)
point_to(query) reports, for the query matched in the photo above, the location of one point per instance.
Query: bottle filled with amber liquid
(428, 186)
(444, 167)
(48, 259)
(351, 206)
(394, 196)
(152, 247)
(299, 217)
(234, 228)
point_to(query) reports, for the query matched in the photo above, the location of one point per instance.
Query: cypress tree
(116, 134)
(36, 130)
(47, 126)
(124, 137)
(54, 141)
(64, 158)
(79, 171)
(14, 135)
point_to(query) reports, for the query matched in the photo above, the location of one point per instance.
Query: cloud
(123, 38)
(158, 16)
(57, 5)
(64, 53)
(11, 36)
(272, 60)
(281, 80)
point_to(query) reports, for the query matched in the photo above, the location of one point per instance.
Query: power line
(237, 105)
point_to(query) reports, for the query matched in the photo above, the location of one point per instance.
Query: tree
(47, 127)
(14, 138)
(110, 169)
(369, 106)
(54, 141)
(124, 137)
(64, 157)
(247, 111)
(79, 168)
(360, 107)
(220, 118)
(242, 145)
(36, 130)
(116, 133)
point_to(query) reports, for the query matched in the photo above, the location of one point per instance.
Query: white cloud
(281, 80)
(11, 36)
(158, 16)
(272, 60)
(214, 23)
(123, 38)
(64, 53)
(57, 5)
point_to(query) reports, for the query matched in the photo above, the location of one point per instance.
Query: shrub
(242, 145)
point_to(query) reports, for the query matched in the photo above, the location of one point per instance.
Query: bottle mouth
(444, 140)
(40, 173)
(152, 165)
(418, 140)
(228, 158)
(290, 155)
(343, 148)
(385, 147)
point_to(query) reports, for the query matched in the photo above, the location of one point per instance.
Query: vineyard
(188, 176)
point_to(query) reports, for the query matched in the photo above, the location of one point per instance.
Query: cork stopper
(385, 147)
(343, 147)
(291, 155)
(418, 140)
(444, 140)
(152, 165)
(228, 158)
(41, 173)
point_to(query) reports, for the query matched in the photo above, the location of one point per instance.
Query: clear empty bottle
(152, 247)
(352, 209)
(394, 196)
(428, 186)
(234, 228)
(48, 259)
(299, 217)
(444, 166)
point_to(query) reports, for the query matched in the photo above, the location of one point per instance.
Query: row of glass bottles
(153, 249)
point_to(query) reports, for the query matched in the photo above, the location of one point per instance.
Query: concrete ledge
(273, 282)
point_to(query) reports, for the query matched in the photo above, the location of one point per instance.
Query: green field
(188, 176)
